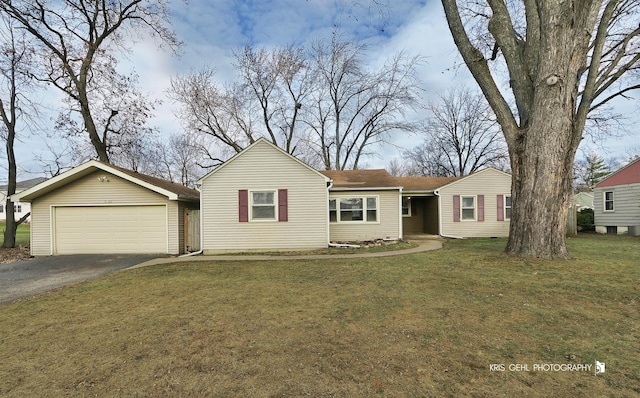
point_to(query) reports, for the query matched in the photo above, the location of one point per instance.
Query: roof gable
(169, 189)
(260, 142)
(361, 179)
(477, 173)
(424, 184)
(629, 174)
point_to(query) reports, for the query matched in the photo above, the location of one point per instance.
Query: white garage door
(110, 229)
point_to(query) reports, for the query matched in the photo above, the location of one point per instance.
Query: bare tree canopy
(564, 59)
(77, 40)
(321, 104)
(461, 137)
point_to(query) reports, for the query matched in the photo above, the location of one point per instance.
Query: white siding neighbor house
(21, 208)
(616, 201)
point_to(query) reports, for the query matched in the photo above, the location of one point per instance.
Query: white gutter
(437, 193)
(329, 186)
(401, 219)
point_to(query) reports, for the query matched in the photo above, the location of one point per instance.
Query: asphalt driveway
(26, 278)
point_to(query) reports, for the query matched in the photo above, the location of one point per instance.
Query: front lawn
(441, 323)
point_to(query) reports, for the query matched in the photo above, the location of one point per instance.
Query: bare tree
(326, 108)
(179, 159)
(354, 108)
(16, 56)
(77, 40)
(461, 137)
(564, 60)
(266, 101)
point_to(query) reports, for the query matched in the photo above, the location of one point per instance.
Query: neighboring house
(583, 200)
(100, 208)
(616, 201)
(21, 209)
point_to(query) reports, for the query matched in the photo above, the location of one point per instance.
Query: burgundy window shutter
(243, 205)
(480, 207)
(500, 200)
(456, 208)
(283, 205)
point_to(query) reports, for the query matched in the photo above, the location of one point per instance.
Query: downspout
(401, 219)
(329, 186)
(437, 193)
(201, 227)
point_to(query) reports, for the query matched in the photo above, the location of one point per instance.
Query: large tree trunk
(542, 152)
(545, 68)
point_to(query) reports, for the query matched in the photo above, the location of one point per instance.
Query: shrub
(585, 220)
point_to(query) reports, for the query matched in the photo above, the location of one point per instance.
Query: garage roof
(169, 189)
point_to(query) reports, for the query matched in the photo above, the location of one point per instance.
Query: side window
(507, 207)
(263, 205)
(608, 201)
(468, 208)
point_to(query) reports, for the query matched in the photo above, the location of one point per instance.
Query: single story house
(583, 200)
(100, 208)
(20, 209)
(616, 201)
(265, 199)
(262, 199)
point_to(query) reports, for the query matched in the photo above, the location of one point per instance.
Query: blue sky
(212, 29)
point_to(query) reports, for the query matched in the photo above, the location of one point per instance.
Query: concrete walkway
(423, 246)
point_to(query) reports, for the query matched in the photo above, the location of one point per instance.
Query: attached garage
(110, 229)
(99, 208)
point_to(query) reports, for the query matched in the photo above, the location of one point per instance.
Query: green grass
(22, 234)
(427, 324)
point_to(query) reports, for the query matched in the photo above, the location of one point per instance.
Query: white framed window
(507, 207)
(468, 208)
(406, 206)
(263, 206)
(18, 208)
(359, 209)
(608, 201)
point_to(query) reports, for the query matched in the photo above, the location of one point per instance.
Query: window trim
(365, 209)
(475, 208)
(274, 205)
(605, 201)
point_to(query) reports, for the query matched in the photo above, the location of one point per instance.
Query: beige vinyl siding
(488, 182)
(264, 168)
(626, 202)
(387, 227)
(90, 191)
